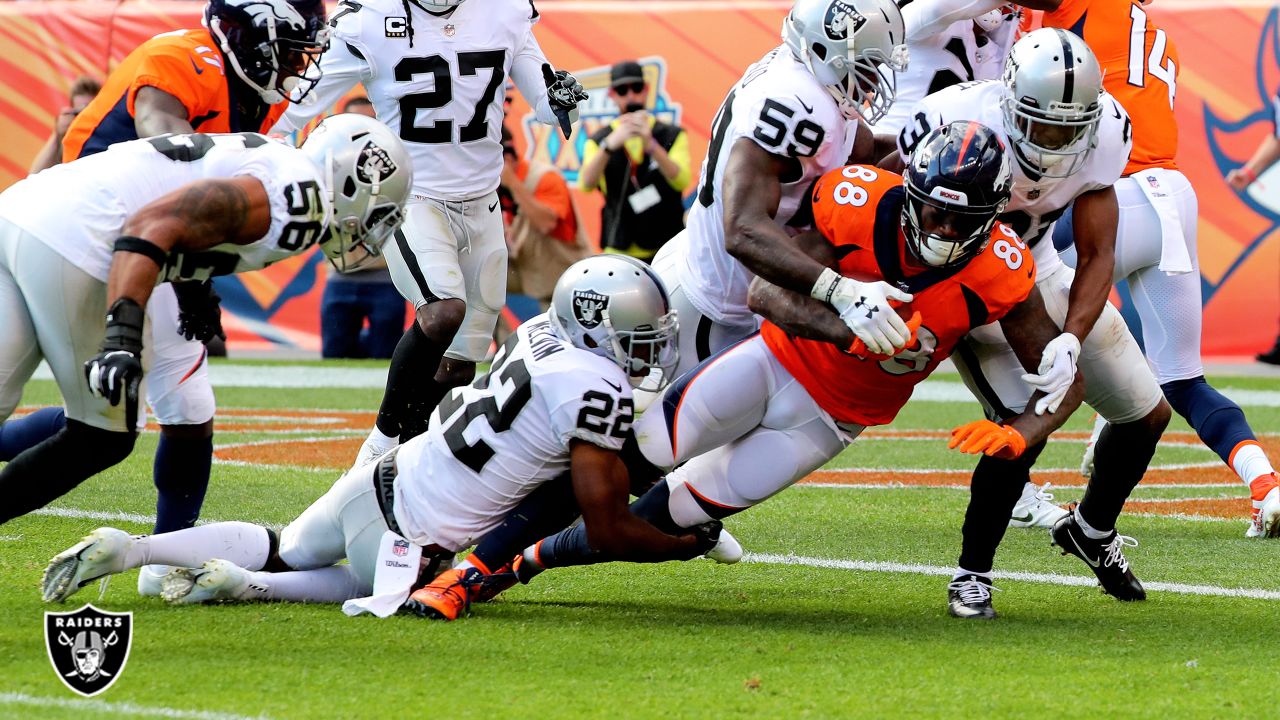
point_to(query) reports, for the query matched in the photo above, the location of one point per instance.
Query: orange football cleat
(448, 596)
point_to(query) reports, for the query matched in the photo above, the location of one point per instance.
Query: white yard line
(117, 708)
(1046, 578)
(1056, 486)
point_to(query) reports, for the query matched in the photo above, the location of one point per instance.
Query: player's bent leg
(20, 434)
(56, 466)
(107, 551)
(716, 402)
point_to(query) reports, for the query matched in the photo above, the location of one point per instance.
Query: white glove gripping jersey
(79, 208)
(492, 442)
(440, 89)
(1037, 202)
(781, 107)
(943, 50)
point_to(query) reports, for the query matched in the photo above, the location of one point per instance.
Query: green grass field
(778, 635)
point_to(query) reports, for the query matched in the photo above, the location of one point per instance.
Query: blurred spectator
(82, 92)
(544, 232)
(641, 165)
(352, 299)
(1264, 157)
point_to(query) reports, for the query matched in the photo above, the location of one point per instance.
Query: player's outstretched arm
(752, 191)
(601, 485)
(194, 217)
(1095, 217)
(796, 313)
(1028, 328)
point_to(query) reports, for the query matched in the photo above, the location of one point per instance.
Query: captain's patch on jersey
(588, 305)
(374, 164)
(397, 27)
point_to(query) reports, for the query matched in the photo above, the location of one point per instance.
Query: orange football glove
(859, 348)
(987, 438)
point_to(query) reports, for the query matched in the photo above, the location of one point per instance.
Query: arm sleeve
(342, 66)
(928, 17)
(679, 154)
(526, 71)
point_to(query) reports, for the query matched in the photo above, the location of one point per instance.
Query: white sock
(1089, 530)
(1250, 462)
(381, 439)
(332, 584)
(961, 572)
(244, 544)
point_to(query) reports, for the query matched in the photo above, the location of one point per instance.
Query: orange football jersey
(1139, 68)
(859, 208)
(186, 64)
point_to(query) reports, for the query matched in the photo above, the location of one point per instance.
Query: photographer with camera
(642, 166)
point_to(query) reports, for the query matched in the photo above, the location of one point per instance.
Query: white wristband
(825, 286)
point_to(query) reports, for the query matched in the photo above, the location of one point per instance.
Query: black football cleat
(1105, 557)
(969, 597)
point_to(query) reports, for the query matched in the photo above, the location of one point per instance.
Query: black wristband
(130, 244)
(124, 326)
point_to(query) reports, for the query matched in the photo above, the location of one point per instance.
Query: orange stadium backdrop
(693, 52)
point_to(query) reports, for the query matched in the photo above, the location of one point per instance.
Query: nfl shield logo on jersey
(88, 647)
(587, 306)
(842, 20)
(400, 548)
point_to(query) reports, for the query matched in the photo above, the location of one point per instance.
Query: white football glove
(1057, 372)
(865, 308)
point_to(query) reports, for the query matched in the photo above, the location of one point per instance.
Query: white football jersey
(492, 442)
(993, 49)
(1036, 203)
(781, 107)
(439, 82)
(79, 208)
(938, 61)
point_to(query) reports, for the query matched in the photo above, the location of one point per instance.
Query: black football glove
(116, 371)
(564, 92)
(199, 314)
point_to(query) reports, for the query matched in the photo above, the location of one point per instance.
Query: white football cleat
(1035, 508)
(1086, 462)
(1265, 521)
(101, 552)
(374, 447)
(150, 577)
(214, 580)
(727, 550)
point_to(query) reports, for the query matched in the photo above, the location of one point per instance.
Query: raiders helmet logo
(88, 647)
(588, 307)
(842, 20)
(374, 164)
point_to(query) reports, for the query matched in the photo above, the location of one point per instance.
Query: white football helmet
(615, 306)
(853, 47)
(367, 175)
(1052, 101)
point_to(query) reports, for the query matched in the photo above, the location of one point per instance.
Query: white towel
(397, 570)
(1174, 258)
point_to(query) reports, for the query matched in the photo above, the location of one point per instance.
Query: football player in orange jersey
(231, 75)
(763, 413)
(1156, 238)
